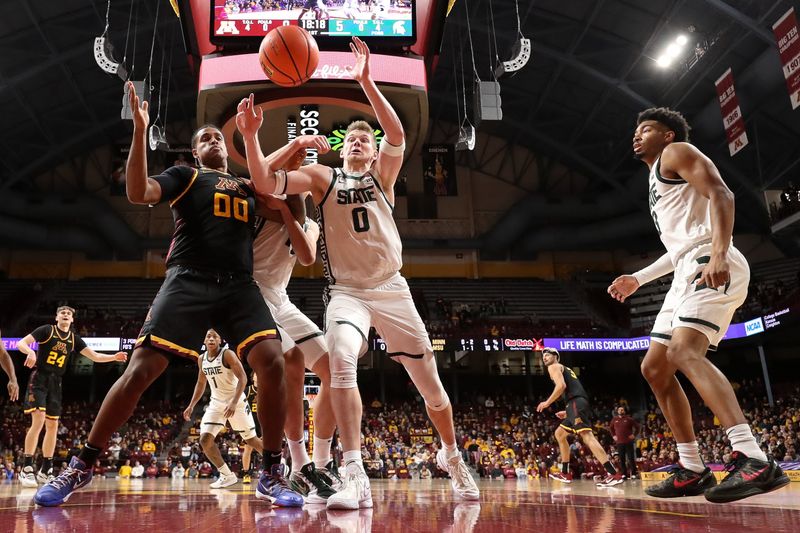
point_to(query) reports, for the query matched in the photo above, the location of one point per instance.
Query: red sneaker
(562, 477)
(610, 480)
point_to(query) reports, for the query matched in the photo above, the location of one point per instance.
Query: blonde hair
(362, 125)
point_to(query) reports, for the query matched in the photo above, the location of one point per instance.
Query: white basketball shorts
(299, 330)
(241, 422)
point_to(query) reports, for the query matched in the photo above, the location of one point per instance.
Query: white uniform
(223, 383)
(362, 255)
(351, 8)
(273, 261)
(683, 221)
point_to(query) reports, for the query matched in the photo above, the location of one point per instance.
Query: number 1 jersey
(359, 243)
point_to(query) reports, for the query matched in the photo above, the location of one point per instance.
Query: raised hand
(139, 111)
(360, 50)
(314, 142)
(249, 117)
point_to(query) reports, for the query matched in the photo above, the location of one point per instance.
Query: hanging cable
(127, 36)
(148, 76)
(469, 34)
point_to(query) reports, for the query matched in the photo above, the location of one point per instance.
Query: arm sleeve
(173, 181)
(80, 344)
(661, 267)
(41, 334)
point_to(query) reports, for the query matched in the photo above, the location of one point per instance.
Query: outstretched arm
(700, 172)
(627, 284)
(269, 173)
(303, 233)
(101, 358)
(140, 188)
(390, 158)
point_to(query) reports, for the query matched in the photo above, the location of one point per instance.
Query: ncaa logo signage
(751, 327)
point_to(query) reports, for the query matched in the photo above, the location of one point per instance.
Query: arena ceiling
(592, 70)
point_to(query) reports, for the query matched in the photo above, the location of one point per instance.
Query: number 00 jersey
(359, 243)
(214, 218)
(221, 379)
(681, 214)
(55, 348)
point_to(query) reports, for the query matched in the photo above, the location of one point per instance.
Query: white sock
(450, 450)
(322, 451)
(224, 470)
(353, 456)
(742, 440)
(689, 454)
(297, 449)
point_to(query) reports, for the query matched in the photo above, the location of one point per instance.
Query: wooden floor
(123, 506)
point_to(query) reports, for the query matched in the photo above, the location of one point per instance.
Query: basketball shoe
(355, 492)
(43, 477)
(610, 480)
(747, 477)
(310, 484)
(460, 478)
(683, 482)
(246, 479)
(562, 477)
(27, 477)
(330, 475)
(273, 487)
(72, 478)
(224, 481)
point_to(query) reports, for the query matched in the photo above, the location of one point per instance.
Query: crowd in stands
(789, 203)
(500, 436)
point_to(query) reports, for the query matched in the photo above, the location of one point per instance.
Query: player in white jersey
(362, 254)
(284, 235)
(224, 373)
(693, 211)
(351, 9)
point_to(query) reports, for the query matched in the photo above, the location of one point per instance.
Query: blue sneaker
(274, 488)
(56, 492)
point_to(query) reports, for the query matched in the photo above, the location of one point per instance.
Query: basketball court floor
(124, 506)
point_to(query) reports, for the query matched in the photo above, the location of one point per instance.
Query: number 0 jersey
(359, 243)
(681, 214)
(55, 348)
(220, 377)
(214, 217)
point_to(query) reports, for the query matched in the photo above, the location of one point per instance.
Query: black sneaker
(747, 477)
(330, 475)
(683, 482)
(308, 482)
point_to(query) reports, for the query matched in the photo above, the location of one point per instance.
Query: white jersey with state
(359, 243)
(273, 257)
(220, 378)
(681, 214)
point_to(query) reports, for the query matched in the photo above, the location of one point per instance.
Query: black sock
(28, 461)
(47, 464)
(89, 454)
(270, 459)
(565, 468)
(610, 468)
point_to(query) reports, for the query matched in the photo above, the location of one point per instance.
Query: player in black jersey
(252, 401)
(8, 367)
(43, 396)
(209, 282)
(576, 418)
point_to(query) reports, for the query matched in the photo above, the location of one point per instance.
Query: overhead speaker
(488, 105)
(104, 56)
(144, 95)
(522, 53)
(466, 137)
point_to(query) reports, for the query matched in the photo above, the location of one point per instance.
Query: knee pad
(343, 356)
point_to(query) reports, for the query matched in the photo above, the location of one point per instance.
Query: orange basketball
(288, 55)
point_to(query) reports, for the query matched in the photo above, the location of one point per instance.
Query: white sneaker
(43, 478)
(224, 481)
(460, 478)
(27, 477)
(355, 492)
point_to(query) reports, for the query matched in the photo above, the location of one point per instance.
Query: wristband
(280, 182)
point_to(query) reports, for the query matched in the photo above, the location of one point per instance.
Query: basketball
(288, 56)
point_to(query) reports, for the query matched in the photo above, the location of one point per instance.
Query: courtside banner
(731, 113)
(785, 31)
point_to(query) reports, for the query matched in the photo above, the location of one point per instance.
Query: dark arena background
(518, 203)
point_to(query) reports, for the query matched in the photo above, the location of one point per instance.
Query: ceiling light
(663, 61)
(682, 40)
(673, 50)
